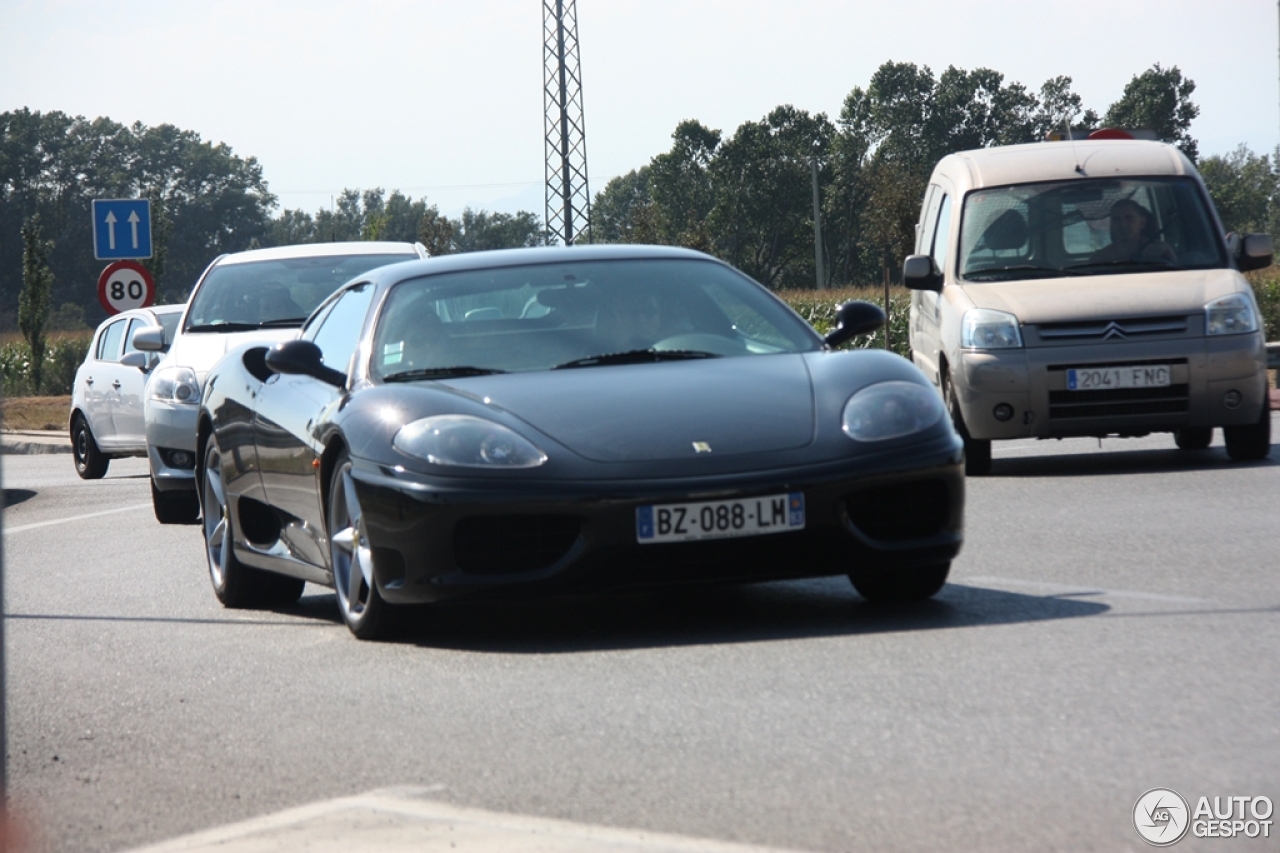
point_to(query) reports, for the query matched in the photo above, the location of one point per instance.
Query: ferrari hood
(201, 350)
(1059, 300)
(670, 410)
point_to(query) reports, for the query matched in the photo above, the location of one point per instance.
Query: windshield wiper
(440, 373)
(224, 327)
(283, 322)
(637, 356)
(1012, 271)
(1147, 263)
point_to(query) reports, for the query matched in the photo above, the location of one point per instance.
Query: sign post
(125, 285)
(121, 228)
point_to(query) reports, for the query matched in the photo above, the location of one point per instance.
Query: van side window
(928, 219)
(942, 237)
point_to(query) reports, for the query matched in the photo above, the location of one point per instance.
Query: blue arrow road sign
(121, 228)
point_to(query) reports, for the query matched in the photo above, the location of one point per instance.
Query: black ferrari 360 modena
(536, 421)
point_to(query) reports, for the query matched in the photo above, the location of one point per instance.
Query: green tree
(1159, 100)
(479, 230)
(616, 212)
(1246, 190)
(435, 231)
(680, 184)
(33, 302)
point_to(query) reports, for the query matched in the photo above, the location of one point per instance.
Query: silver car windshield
(274, 293)
(578, 314)
(1087, 227)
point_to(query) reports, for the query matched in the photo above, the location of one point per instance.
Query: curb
(21, 442)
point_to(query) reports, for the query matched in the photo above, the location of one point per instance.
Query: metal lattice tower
(568, 195)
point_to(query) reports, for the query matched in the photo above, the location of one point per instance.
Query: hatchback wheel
(367, 615)
(1250, 443)
(91, 463)
(235, 584)
(912, 584)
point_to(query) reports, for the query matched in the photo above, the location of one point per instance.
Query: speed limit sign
(124, 285)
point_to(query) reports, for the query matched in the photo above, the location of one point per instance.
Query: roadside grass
(22, 413)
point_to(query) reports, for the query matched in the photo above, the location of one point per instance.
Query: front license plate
(1109, 378)
(720, 519)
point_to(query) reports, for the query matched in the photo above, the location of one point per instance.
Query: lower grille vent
(507, 544)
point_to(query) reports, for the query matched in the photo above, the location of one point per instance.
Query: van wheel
(1250, 443)
(977, 451)
(1193, 438)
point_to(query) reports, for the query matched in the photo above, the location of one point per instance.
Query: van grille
(1140, 328)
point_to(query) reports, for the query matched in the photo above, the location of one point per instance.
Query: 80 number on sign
(124, 285)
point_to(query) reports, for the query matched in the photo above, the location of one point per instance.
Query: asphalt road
(1112, 626)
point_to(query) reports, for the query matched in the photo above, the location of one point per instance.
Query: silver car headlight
(1231, 315)
(891, 410)
(467, 442)
(174, 385)
(983, 328)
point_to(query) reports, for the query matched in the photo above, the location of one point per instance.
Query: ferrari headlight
(468, 442)
(983, 328)
(891, 410)
(174, 385)
(1230, 315)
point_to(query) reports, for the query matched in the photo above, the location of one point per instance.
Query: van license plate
(1110, 378)
(683, 522)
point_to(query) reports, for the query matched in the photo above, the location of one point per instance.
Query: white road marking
(1063, 589)
(38, 524)
(401, 820)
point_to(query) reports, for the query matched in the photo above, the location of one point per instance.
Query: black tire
(235, 584)
(1250, 443)
(175, 507)
(1193, 438)
(91, 463)
(913, 584)
(362, 607)
(977, 451)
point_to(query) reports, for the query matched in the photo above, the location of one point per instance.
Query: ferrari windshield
(578, 314)
(1087, 227)
(280, 292)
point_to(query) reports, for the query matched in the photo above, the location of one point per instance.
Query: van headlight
(174, 385)
(891, 410)
(1231, 315)
(467, 442)
(983, 328)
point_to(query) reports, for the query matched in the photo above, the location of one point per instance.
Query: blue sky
(444, 99)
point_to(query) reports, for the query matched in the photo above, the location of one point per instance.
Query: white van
(1085, 288)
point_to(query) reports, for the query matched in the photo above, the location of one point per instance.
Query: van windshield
(1087, 227)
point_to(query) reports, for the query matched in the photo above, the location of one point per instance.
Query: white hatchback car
(258, 295)
(106, 398)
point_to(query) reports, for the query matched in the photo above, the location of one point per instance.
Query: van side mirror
(854, 318)
(919, 273)
(1255, 252)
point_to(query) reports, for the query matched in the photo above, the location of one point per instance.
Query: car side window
(942, 236)
(109, 343)
(136, 325)
(338, 332)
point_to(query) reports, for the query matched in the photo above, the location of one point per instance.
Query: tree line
(747, 197)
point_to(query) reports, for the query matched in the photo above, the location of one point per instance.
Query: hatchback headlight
(174, 385)
(468, 442)
(891, 410)
(983, 328)
(1231, 315)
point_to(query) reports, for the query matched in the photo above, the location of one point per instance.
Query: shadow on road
(13, 497)
(730, 614)
(1108, 462)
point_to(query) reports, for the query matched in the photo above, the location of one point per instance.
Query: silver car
(106, 398)
(1086, 289)
(258, 295)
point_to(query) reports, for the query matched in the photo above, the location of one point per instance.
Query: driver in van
(1133, 236)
